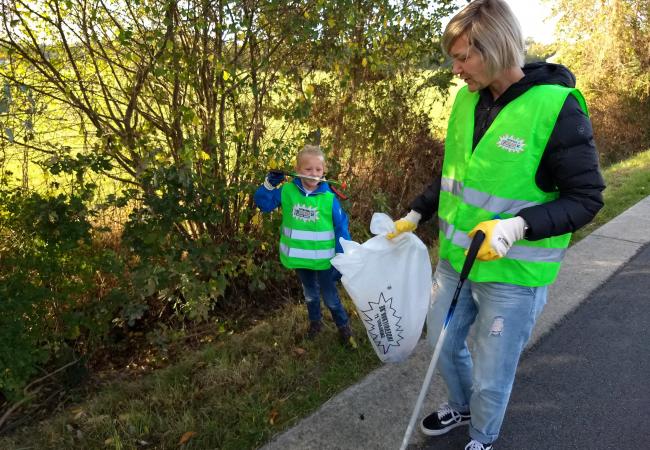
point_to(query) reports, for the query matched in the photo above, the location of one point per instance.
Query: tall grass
(234, 394)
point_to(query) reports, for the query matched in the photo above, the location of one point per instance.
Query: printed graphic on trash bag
(383, 323)
(389, 282)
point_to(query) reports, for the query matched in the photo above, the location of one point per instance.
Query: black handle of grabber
(478, 239)
(474, 246)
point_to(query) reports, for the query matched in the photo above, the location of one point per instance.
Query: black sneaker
(315, 327)
(441, 421)
(476, 445)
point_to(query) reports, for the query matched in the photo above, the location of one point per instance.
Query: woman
(520, 164)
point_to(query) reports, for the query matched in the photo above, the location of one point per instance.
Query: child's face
(313, 166)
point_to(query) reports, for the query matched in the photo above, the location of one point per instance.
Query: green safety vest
(498, 179)
(307, 234)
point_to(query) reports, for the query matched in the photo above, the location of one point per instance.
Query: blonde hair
(310, 150)
(494, 32)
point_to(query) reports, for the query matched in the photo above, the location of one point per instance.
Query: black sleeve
(569, 166)
(427, 202)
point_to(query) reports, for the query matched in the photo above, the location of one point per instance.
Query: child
(312, 223)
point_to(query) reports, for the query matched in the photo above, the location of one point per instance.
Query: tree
(605, 42)
(536, 51)
(191, 101)
(607, 38)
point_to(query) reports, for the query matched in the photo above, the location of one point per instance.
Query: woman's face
(468, 64)
(313, 166)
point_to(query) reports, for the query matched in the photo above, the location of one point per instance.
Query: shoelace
(445, 409)
(474, 445)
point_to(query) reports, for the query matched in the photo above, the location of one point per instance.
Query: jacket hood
(547, 73)
(535, 74)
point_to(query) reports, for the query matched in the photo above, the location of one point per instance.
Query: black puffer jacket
(569, 164)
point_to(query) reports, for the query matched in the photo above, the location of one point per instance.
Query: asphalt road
(585, 385)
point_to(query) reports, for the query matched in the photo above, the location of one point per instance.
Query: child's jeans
(315, 282)
(502, 316)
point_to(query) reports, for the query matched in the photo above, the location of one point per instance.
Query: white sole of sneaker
(442, 431)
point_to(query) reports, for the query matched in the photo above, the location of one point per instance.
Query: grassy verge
(234, 394)
(242, 389)
(627, 183)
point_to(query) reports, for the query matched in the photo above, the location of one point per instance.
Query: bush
(620, 125)
(186, 256)
(385, 148)
(52, 296)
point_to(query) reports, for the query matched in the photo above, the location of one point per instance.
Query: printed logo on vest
(384, 327)
(511, 143)
(305, 213)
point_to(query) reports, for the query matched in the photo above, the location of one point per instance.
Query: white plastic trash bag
(389, 282)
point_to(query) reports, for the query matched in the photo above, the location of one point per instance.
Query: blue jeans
(503, 316)
(315, 282)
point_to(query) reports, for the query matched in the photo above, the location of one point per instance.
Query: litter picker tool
(341, 184)
(309, 177)
(467, 267)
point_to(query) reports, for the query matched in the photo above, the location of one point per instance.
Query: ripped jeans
(503, 316)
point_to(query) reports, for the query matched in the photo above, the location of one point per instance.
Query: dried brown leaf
(186, 437)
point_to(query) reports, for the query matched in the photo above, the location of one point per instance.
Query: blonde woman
(520, 164)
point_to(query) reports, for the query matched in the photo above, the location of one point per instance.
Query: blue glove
(275, 177)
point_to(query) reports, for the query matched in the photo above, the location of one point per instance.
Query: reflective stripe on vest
(308, 235)
(519, 252)
(307, 254)
(483, 200)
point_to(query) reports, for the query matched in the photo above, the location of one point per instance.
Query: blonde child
(312, 223)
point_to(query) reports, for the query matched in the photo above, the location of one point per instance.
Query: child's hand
(274, 178)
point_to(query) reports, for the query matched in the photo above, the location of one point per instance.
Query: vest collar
(322, 188)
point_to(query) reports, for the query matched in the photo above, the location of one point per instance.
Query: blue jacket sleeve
(267, 200)
(340, 220)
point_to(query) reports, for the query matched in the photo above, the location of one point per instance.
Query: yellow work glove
(500, 235)
(407, 223)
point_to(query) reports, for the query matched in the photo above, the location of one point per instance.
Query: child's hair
(311, 150)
